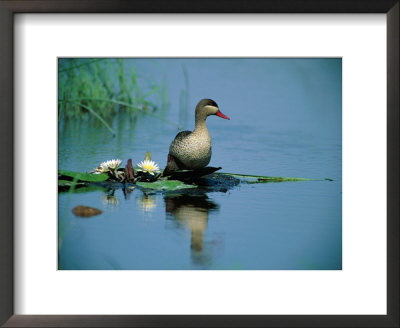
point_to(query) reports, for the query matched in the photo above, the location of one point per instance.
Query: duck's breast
(193, 150)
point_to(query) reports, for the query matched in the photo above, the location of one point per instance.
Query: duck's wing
(178, 143)
(181, 135)
(173, 164)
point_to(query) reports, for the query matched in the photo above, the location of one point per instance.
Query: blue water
(286, 120)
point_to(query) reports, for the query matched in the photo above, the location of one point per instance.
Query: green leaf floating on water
(77, 176)
(168, 185)
(66, 183)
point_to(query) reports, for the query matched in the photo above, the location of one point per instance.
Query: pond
(285, 121)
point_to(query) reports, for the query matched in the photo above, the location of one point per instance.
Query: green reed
(100, 89)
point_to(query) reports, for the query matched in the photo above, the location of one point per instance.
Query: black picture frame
(10, 7)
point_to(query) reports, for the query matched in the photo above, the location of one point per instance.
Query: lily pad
(78, 176)
(168, 185)
(80, 187)
(66, 183)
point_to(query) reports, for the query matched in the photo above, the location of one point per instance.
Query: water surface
(285, 121)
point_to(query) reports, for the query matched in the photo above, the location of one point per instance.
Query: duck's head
(207, 107)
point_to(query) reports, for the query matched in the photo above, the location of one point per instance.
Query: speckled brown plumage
(192, 150)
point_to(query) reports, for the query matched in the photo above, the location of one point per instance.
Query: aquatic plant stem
(95, 115)
(123, 103)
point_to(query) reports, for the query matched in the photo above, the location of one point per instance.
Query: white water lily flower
(148, 166)
(110, 165)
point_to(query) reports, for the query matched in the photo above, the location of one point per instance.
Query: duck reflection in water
(191, 212)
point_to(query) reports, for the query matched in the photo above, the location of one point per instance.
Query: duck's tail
(172, 166)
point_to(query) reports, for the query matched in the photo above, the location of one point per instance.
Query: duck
(191, 150)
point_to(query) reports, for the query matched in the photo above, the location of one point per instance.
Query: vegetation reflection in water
(184, 211)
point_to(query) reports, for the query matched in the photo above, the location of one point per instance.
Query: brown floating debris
(85, 211)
